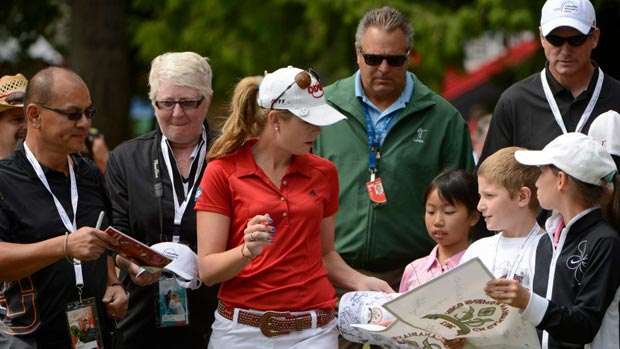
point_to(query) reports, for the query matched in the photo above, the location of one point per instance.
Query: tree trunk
(100, 54)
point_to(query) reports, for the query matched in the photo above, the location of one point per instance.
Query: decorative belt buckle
(265, 323)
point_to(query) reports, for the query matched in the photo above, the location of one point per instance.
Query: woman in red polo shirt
(266, 212)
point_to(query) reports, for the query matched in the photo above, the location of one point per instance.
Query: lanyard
(554, 106)
(517, 261)
(374, 141)
(70, 225)
(180, 207)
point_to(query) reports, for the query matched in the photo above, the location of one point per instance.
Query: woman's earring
(277, 128)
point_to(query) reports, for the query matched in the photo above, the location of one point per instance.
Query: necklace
(519, 257)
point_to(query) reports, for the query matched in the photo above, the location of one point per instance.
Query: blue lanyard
(374, 141)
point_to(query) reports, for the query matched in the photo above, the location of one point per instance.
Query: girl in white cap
(575, 293)
(276, 286)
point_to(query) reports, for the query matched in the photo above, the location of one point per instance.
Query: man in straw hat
(12, 121)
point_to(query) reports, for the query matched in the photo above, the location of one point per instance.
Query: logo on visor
(316, 90)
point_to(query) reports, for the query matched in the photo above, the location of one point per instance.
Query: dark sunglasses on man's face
(575, 40)
(392, 60)
(71, 115)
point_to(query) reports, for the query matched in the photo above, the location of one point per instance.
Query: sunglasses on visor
(300, 80)
(13, 98)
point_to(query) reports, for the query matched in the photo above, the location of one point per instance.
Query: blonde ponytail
(246, 119)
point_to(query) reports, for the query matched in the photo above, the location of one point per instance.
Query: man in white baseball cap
(567, 95)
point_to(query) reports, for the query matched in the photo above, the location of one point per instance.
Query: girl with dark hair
(450, 214)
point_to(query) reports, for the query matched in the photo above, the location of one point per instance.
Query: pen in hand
(100, 220)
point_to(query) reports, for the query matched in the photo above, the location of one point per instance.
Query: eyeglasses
(302, 79)
(392, 60)
(574, 41)
(186, 104)
(13, 98)
(72, 115)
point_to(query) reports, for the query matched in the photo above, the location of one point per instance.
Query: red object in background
(456, 84)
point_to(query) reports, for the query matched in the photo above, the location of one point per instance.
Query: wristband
(70, 260)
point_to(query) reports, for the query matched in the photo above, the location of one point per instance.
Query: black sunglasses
(575, 40)
(72, 115)
(186, 104)
(392, 60)
(302, 81)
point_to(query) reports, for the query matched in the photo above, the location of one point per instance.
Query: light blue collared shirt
(376, 115)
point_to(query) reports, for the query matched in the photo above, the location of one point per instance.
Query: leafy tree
(111, 43)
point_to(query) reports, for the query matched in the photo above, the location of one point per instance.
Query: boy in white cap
(575, 293)
(276, 286)
(12, 119)
(567, 95)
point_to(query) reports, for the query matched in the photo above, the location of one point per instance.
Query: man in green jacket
(398, 136)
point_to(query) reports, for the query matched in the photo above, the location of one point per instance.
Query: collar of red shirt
(246, 165)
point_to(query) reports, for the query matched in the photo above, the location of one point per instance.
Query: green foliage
(25, 21)
(246, 37)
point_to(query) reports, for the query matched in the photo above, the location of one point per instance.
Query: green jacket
(429, 135)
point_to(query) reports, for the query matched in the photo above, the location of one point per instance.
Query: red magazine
(145, 256)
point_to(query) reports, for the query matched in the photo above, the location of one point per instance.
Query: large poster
(453, 305)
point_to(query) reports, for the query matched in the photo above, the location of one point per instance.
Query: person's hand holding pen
(88, 243)
(259, 232)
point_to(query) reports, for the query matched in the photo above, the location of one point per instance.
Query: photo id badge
(376, 192)
(83, 322)
(172, 303)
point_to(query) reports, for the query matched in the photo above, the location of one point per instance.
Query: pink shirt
(426, 268)
(288, 275)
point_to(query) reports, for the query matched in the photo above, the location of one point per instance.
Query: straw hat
(12, 89)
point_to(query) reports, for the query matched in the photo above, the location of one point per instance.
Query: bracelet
(250, 257)
(70, 260)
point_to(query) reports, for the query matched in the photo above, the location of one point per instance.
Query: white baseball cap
(578, 14)
(578, 155)
(606, 129)
(299, 92)
(184, 263)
